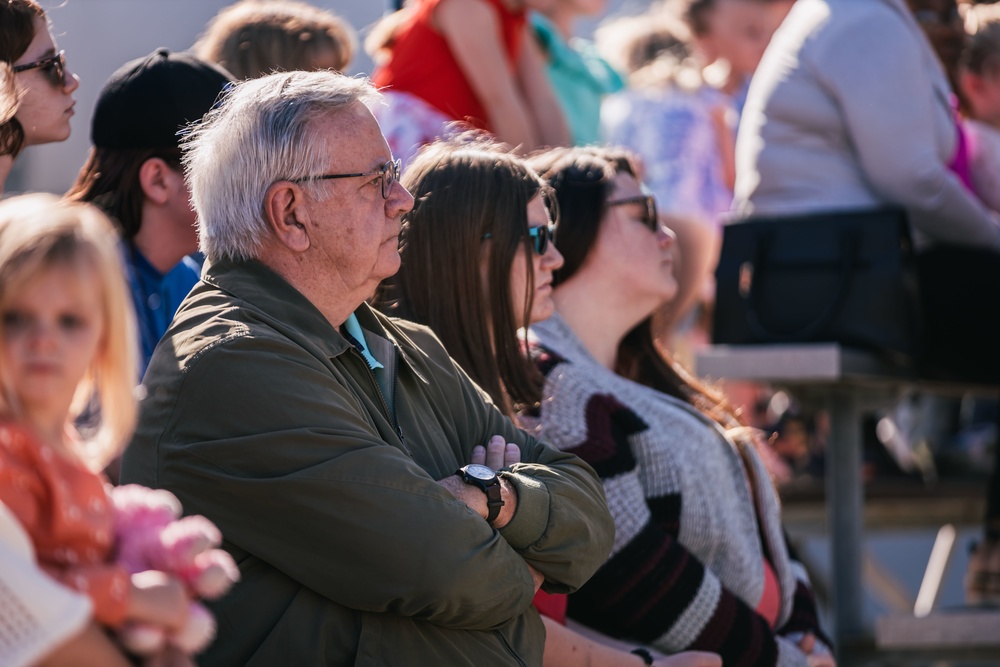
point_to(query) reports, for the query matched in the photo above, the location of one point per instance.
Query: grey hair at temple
(257, 135)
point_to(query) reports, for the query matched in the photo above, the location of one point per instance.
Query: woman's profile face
(47, 102)
(633, 251)
(541, 265)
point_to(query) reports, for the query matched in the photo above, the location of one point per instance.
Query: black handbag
(848, 278)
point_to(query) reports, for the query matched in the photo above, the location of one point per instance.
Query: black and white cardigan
(686, 568)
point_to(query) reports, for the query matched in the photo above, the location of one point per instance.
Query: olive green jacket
(261, 416)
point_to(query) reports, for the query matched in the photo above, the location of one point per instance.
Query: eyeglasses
(540, 236)
(54, 67)
(388, 172)
(648, 218)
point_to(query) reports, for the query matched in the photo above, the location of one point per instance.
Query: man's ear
(286, 214)
(155, 181)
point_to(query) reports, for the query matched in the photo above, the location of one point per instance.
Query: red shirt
(423, 65)
(66, 511)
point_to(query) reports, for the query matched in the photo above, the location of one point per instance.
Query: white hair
(259, 134)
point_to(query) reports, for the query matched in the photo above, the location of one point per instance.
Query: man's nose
(400, 201)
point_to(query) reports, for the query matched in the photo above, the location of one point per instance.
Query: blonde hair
(256, 37)
(39, 232)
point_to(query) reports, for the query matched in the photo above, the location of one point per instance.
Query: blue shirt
(156, 296)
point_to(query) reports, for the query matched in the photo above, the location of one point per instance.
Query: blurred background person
(133, 172)
(579, 75)
(36, 89)
(252, 38)
(471, 61)
(829, 128)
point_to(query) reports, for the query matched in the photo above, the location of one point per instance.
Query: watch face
(480, 471)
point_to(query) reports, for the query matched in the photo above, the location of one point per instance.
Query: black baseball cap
(149, 100)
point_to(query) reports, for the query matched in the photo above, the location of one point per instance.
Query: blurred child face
(52, 330)
(738, 31)
(982, 91)
(542, 267)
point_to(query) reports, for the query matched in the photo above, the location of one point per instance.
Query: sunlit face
(629, 253)
(983, 93)
(182, 211)
(354, 234)
(52, 331)
(738, 32)
(46, 107)
(542, 267)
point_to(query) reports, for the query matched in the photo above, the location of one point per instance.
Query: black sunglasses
(53, 66)
(540, 236)
(648, 218)
(388, 172)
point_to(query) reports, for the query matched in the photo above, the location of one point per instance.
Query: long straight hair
(39, 232)
(458, 244)
(583, 181)
(17, 29)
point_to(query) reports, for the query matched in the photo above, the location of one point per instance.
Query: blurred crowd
(300, 302)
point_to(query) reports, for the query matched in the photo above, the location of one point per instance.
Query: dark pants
(960, 295)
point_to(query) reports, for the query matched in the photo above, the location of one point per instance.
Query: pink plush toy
(150, 536)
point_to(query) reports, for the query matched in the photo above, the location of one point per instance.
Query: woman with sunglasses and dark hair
(477, 266)
(699, 559)
(36, 89)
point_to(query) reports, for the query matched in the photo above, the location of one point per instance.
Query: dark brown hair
(456, 282)
(17, 29)
(253, 38)
(583, 180)
(110, 180)
(981, 54)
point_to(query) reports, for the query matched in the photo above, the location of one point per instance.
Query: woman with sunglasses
(477, 264)
(699, 560)
(36, 89)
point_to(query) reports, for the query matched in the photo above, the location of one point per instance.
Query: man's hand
(496, 454)
(537, 576)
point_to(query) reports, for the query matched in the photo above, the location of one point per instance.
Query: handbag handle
(849, 245)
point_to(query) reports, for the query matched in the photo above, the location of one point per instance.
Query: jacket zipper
(510, 650)
(390, 414)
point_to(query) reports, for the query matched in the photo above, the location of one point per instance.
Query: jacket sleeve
(562, 526)
(653, 589)
(873, 69)
(293, 472)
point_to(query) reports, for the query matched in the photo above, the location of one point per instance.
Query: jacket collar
(256, 285)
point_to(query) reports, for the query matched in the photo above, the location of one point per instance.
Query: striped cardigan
(686, 569)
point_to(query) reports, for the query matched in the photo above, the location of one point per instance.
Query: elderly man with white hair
(329, 443)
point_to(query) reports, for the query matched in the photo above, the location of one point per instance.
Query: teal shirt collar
(353, 327)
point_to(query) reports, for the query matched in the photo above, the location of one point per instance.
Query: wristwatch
(486, 479)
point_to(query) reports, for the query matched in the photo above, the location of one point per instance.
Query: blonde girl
(67, 338)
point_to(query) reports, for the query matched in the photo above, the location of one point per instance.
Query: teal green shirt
(354, 328)
(580, 77)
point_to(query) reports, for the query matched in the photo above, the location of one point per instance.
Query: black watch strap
(491, 487)
(493, 502)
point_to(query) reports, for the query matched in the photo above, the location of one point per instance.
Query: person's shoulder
(412, 337)
(848, 21)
